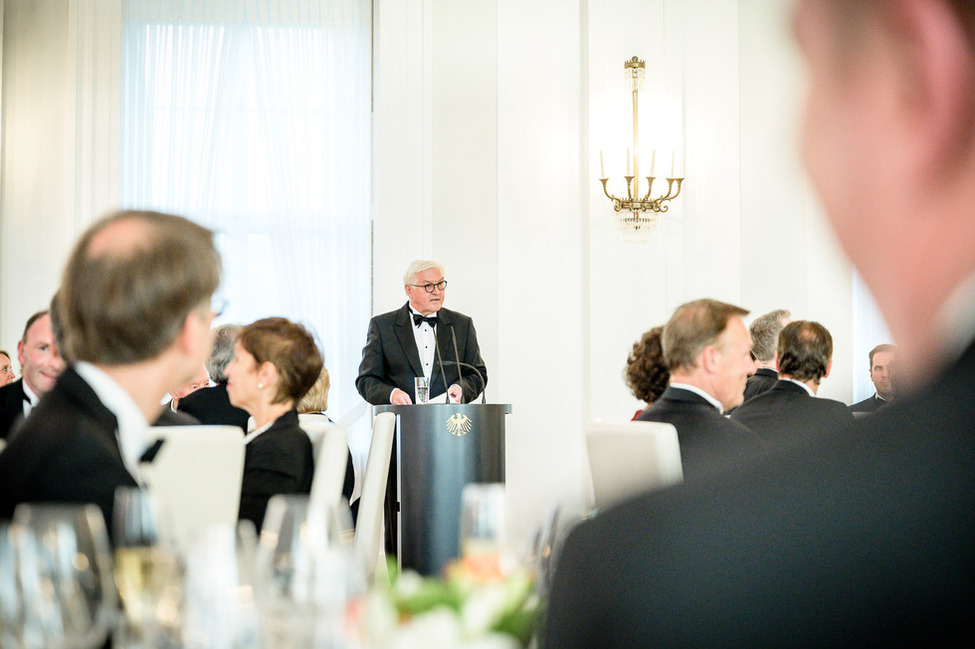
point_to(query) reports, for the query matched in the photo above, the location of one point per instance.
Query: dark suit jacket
(761, 381)
(212, 407)
(788, 411)
(11, 406)
(66, 451)
(861, 538)
(390, 358)
(707, 439)
(278, 461)
(870, 404)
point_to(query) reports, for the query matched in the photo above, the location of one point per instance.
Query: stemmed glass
(11, 600)
(306, 573)
(65, 572)
(147, 571)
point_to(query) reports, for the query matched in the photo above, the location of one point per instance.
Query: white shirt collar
(698, 391)
(32, 398)
(801, 384)
(254, 434)
(133, 429)
(435, 314)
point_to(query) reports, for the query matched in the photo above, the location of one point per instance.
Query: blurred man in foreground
(134, 311)
(858, 540)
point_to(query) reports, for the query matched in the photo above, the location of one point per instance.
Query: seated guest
(201, 380)
(275, 363)
(315, 402)
(135, 323)
(765, 336)
(211, 405)
(791, 409)
(707, 348)
(40, 365)
(882, 359)
(646, 371)
(7, 375)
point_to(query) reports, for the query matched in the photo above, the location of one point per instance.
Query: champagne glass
(147, 571)
(65, 575)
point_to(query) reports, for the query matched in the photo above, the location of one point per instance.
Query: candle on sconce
(602, 165)
(672, 156)
(629, 163)
(653, 161)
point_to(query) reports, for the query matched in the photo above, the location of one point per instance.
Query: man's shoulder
(867, 405)
(12, 393)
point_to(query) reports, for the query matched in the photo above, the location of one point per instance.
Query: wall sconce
(636, 215)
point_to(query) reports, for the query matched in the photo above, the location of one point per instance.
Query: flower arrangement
(475, 605)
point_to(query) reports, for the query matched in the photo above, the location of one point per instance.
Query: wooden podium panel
(438, 449)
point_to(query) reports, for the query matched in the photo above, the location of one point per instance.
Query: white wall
(723, 85)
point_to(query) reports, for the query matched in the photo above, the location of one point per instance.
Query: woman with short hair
(275, 363)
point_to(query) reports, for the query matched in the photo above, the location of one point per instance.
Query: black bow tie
(417, 319)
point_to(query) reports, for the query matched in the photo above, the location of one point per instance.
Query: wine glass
(65, 576)
(220, 608)
(147, 571)
(306, 573)
(11, 600)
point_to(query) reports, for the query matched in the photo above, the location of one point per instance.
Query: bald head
(130, 281)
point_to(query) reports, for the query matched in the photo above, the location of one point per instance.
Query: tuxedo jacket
(857, 538)
(390, 358)
(870, 404)
(211, 406)
(787, 411)
(66, 451)
(761, 381)
(11, 406)
(278, 461)
(707, 439)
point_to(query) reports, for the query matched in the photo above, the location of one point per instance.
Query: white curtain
(253, 118)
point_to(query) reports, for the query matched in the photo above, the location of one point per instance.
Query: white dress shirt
(133, 429)
(31, 401)
(698, 391)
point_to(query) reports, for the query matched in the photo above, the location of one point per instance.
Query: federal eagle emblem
(459, 424)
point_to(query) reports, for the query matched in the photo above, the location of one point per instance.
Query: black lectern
(438, 449)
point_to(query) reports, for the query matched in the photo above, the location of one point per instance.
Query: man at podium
(421, 339)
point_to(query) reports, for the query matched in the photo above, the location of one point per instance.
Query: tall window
(253, 118)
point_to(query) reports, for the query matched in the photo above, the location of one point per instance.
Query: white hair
(417, 267)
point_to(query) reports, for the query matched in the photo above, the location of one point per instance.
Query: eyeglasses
(429, 288)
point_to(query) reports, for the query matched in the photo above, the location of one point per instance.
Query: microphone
(459, 364)
(442, 374)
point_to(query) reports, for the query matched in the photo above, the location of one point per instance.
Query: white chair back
(197, 476)
(631, 457)
(330, 444)
(369, 527)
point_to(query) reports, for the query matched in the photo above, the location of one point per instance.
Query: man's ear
(20, 354)
(829, 368)
(709, 359)
(932, 53)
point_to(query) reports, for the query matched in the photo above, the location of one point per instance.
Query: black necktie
(417, 319)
